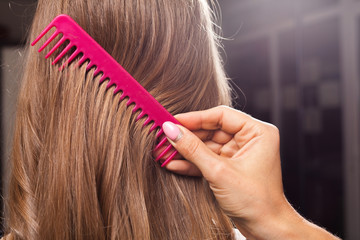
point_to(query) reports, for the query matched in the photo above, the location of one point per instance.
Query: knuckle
(190, 148)
(258, 129)
(273, 132)
(218, 170)
(273, 129)
(222, 107)
(276, 132)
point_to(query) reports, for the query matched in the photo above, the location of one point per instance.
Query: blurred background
(294, 63)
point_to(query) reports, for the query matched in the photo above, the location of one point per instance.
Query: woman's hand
(239, 157)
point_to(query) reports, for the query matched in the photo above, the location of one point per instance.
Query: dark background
(292, 63)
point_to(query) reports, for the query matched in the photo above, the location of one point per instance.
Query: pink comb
(112, 70)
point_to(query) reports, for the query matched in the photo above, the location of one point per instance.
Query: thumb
(190, 147)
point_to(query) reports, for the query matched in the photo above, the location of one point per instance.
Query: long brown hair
(82, 168)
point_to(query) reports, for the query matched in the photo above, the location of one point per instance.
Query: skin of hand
(240, 158)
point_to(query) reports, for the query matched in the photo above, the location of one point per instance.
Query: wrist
(275, 223)
(284, 223)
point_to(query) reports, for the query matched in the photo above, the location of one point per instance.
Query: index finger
(225, 118)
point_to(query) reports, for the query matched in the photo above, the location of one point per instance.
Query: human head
(81, 166)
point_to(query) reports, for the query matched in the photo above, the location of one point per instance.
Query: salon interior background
(297, 65)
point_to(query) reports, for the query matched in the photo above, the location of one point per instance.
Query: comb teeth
(82, 60)
(163, 153)
(91, 51)
(159, 133)
(153, 127)
(45, 31)
(129, 102)
(123, 96)
(135, 109)
(169, 158)
(147, 121)
(117, 89)
(57, 45)
(97, 71)
(63, 52)
(142, 114)
(72, 57)
(161, 143)
(48, 41)
(90, 65)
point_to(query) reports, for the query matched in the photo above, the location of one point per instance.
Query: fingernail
(172, 131)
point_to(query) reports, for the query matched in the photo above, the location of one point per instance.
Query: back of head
(82, 168)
